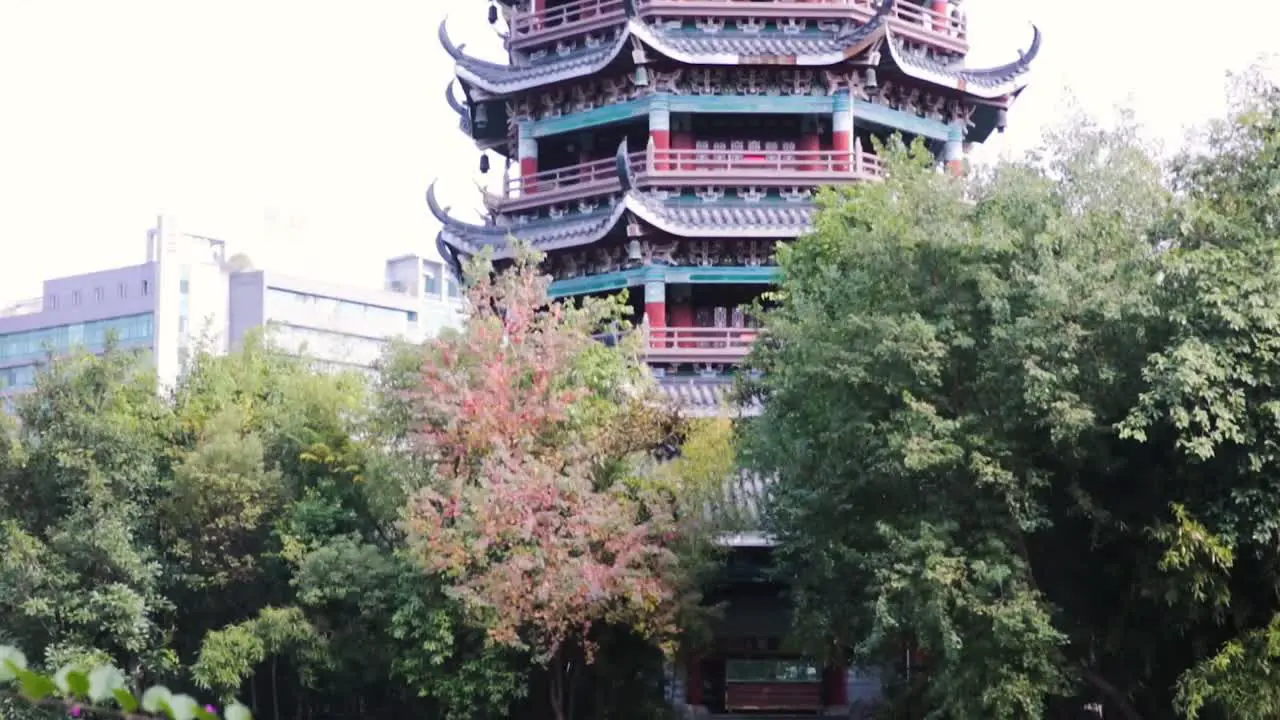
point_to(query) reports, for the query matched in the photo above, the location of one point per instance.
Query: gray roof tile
(501, 78)
(986, 82)
(704, 396)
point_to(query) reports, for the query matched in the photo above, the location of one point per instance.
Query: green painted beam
(899, 120)
(596, 117)
(725, 275)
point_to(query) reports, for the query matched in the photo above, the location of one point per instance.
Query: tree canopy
(1025, 424)
(261, 532)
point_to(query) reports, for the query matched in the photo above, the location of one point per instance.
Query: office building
(189, 291)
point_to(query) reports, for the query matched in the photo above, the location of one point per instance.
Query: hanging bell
(641, 76)
(493, 14)
(870, 81)
(633, 251)
(1002, 119)
(484, 163)
(481, 115)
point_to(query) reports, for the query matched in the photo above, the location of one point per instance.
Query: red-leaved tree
(538, 432)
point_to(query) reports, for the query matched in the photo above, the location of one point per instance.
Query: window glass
(130, 330)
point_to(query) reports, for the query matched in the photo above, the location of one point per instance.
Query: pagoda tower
(666, 147)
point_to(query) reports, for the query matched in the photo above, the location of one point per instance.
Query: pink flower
(74, 711)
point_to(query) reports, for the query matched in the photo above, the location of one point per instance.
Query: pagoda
(666, 147)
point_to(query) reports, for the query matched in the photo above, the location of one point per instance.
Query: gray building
(188, 290)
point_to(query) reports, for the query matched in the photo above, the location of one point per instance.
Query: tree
(536, 433)
(1042, 448)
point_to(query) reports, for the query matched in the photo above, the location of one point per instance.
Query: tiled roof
(550, 234)
(501, 79)
(736, 47)
(735, 218)
(995, 82)
(743, 500)
(704, 396)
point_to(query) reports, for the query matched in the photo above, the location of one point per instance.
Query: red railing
(920, 22)
(597, 176)
(767, 167)
(529, 26)
(688, 344)
(769, 164)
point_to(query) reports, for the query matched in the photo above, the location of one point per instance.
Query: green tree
(537, 433)
(80, 480)
(1025, 424)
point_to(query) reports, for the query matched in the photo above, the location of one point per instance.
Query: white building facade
(188, 291)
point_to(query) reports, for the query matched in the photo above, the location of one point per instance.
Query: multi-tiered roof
(669, 144)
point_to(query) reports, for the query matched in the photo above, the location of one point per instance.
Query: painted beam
(596, 117)
(899, 120)
(752, 104)
(737, 105)
(608, 282)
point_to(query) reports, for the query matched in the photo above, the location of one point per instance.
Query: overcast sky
(304, 132)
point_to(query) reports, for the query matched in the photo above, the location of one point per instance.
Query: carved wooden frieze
(599, 92)
(670, 252)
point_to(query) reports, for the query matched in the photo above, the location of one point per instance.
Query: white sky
(306, 131)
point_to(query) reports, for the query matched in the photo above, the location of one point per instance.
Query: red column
(681, 137)
(837, 682)
(693, 684)
(655, 309)
(842, 129)
(940, 16)
(536, 7)
(681, 311)
(953, 151)
(811, 144)
(527, 152)
(660, 130)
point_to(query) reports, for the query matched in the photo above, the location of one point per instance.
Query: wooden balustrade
(813, 164)
(530, 27)
(691, 344)
(549, 181)
(919, 22)
(762, 166)
(697, 344)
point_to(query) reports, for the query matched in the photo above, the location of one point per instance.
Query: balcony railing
(917, 22)
(768, 166)
(528, 27)
(759, 167)
(700, 344)
(691, 344)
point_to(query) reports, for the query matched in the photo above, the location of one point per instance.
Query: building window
(184, 286)
(75, 297)
(130, 331)
(146, 287)
(98, 294)
(451, 288)
(51, 302)
(123, 290)
(431, 281)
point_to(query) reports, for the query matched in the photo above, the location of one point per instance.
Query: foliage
(101, 689)
(1043, 447)
(535, 430)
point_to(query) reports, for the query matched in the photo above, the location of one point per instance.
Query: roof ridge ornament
(455, 51)
(626, 174)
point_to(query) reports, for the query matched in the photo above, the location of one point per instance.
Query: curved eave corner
(986, 83)
(717, 51)
(469, 238)
(499, 79)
